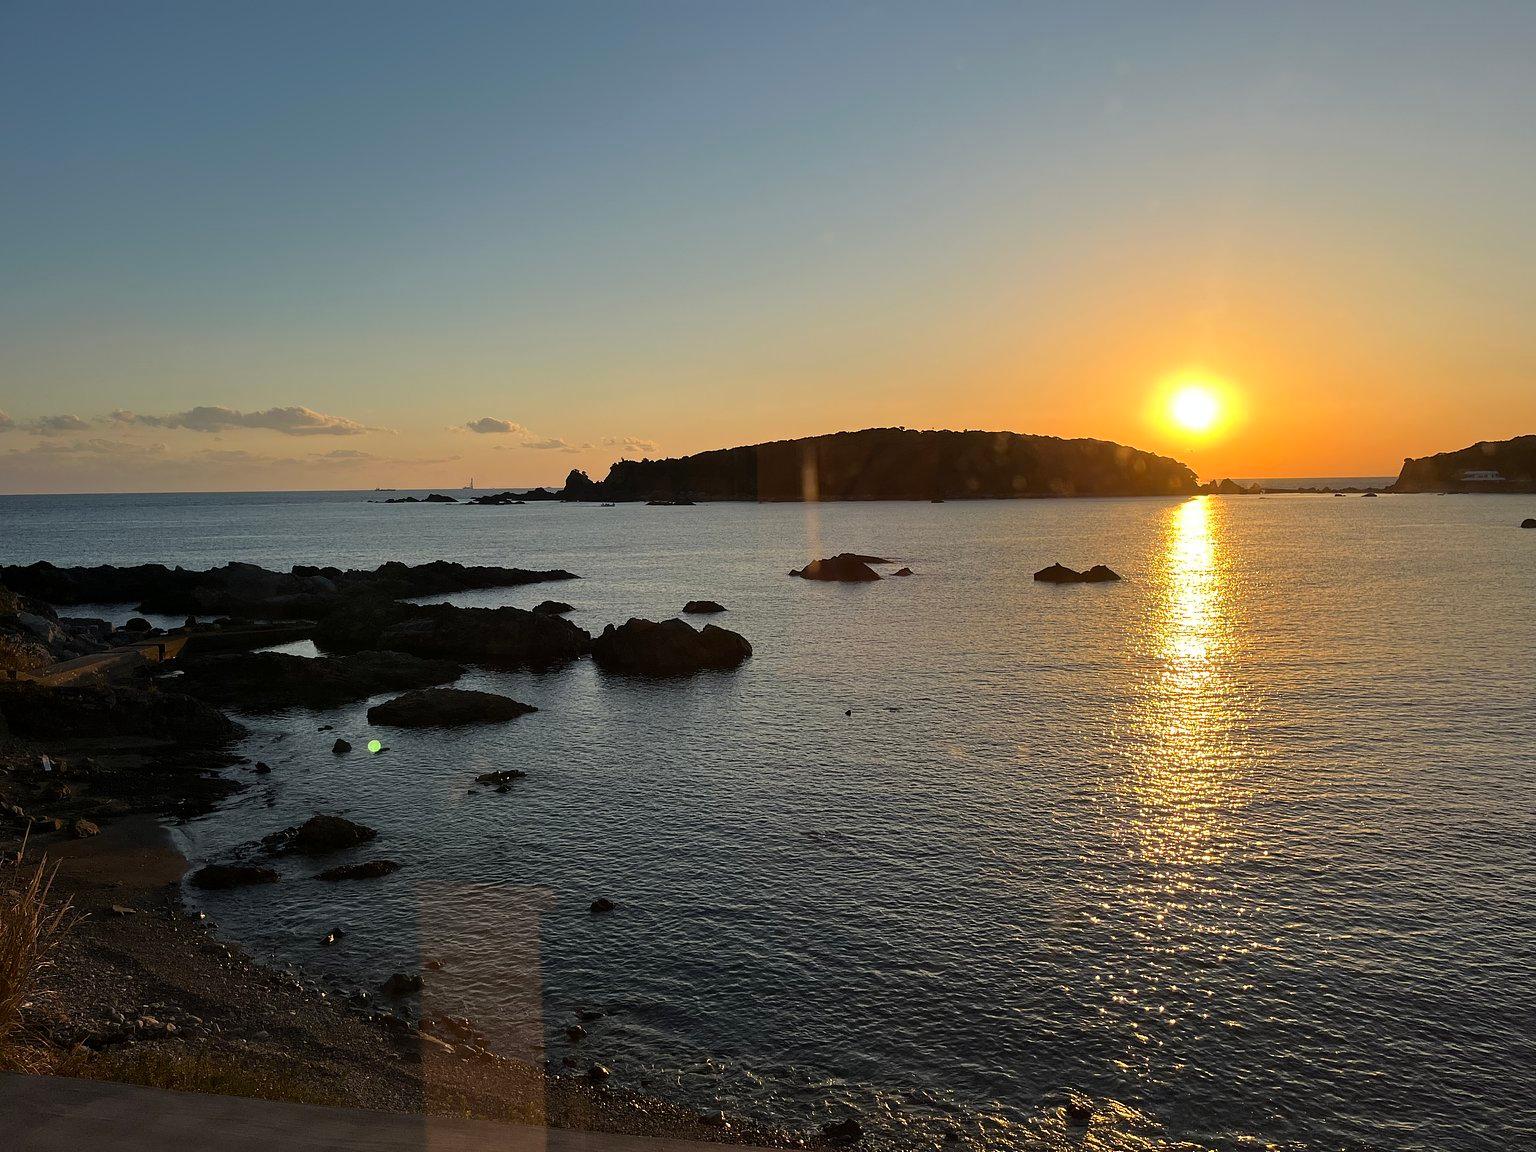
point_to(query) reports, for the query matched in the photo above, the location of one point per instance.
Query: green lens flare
(375, 746)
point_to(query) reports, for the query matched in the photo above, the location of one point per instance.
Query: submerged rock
(218, 876)
(847, 1131)
(849, 567)
(500, 777)
(702, 607)
(670, 648)
(319, 835)
(600, 905)
(446, 708)
(368, 870)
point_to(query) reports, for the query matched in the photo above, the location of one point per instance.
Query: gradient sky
(306, 245)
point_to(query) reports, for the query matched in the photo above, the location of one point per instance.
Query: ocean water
(1243, 847)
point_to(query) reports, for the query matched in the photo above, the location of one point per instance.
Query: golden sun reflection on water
(1183, 786)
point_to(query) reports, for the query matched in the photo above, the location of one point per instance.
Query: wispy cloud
(295, 420)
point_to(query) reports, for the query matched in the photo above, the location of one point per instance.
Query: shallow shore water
(1229, 847)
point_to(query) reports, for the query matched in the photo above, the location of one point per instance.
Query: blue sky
(686, 225)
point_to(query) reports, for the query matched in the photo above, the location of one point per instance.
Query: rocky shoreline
(90, 773)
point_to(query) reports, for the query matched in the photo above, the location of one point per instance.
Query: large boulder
(319, 835)
(100, 710)
(258, 680)
(20, 651)
(670, 648)
(1528, 522)
(510, 637)
(702, 608)
(848, 567)
(446, 708)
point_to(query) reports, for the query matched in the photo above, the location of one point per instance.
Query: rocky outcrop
(894, 464)
(702, 608)
(553, 607)
(318, 836)
(249, 591)
(669, 648)
(446, 708)
(1230, 487)
(506, 637)
(498, 500)
(1061, 574)
(100, 710)
(260, 680)
(849, 567)
(1488, 466)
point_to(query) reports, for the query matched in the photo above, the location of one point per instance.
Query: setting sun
(1194, 408)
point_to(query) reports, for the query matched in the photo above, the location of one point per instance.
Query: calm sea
(1244, 847)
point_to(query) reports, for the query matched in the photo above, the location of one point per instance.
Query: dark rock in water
(600, 905)
(1230, 487)
(262, 768)
(401, 984)
(319, 835)
(1528, 523)
(553, 607)
(509, 637)
(446, 708)
(84, 829)
(216, 876)
(597, 1073)
(438, 498)
(501, 776)
(575, 1033)
(258, 680)
(368, 870)
(702, 607)
(1078, 1110)
(846, 566)
(1059, 574)
(498, 499)
(902, 572)
(341, 747)
(1100, 574)
(848, 1131)
(669, 503)
(1369, 494)
(670, 648)
(101, 710)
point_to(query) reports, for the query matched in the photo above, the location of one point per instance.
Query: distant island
(1489, 466)
(894, 464)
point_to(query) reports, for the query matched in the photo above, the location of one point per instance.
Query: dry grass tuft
(30, 929)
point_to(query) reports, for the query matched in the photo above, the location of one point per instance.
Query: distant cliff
(895, 464)
(1491, 466)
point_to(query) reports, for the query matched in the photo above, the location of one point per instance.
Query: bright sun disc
(1194, 407)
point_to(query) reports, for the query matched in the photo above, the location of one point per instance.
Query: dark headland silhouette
(894, 464)
(1488, 466)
